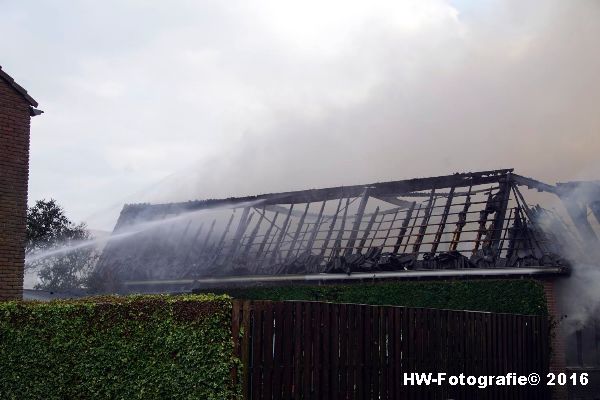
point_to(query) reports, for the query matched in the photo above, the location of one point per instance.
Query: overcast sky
(176, 100)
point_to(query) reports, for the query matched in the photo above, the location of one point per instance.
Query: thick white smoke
(579, 296)
(505, 85)
(242, 99)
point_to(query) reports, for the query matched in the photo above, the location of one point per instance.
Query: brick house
(16, 109)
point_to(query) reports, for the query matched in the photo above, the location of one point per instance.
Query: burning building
(463, 224)
(460, 226)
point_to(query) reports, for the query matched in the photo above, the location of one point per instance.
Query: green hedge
(503, 296)
(150, 347)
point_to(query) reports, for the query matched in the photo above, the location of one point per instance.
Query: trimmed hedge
(139, 347)
(502, 296)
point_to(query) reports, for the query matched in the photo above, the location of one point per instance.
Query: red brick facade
(558, 362)
(14, 173)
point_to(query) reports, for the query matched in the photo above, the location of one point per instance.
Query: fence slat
(257, 351)
(311, 350)
(359, 357)
(325, 366)
(309, 331)
(398, 359)
(278, 368)
(344, 334)
(368, 348)
(445, 335)
(388, 352)
(317, 334)
(332, 351)
(298, 348)
(268, 351)
(287, 345)
(375, 343)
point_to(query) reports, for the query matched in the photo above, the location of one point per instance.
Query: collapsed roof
(457, 223)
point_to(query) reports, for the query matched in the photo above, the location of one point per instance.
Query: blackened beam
(394, 211)
(303, 240)
(395, 201)
(517, 228)
(501, 246)
(442, 225)
(221, 242)
(385, 188)
(389, 230)
(331, 226)
(282, 234)
(253, 234)
(342, 227)
(262, 212)
(298, 213)
(460, 224)
(530, 216)
(340, 236)
(297, 233)
(357, 221)
(316, 228)
(377, 229)
(483, 217)
(267, 235)
(454, 194)
(412, 227)
(523, 204)
(393, 188)
(284, 210)
(533, 184)
(425, 222)
(367, 231)
(239, 232)
(500, 217)
(405, 223)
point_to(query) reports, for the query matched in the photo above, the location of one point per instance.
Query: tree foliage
(47, 225)
(56, 248)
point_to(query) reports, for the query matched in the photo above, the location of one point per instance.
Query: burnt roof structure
(462, 224)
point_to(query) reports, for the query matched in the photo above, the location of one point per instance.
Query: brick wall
(14, 173)
(558, 362)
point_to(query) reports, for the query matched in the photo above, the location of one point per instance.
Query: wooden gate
(313, 350)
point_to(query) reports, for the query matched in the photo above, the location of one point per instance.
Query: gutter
(361, 276)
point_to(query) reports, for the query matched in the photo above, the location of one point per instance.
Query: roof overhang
(21, 90)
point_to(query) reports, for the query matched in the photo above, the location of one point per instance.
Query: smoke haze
(240, 99)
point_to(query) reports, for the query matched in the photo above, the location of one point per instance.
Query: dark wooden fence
(312, 350)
